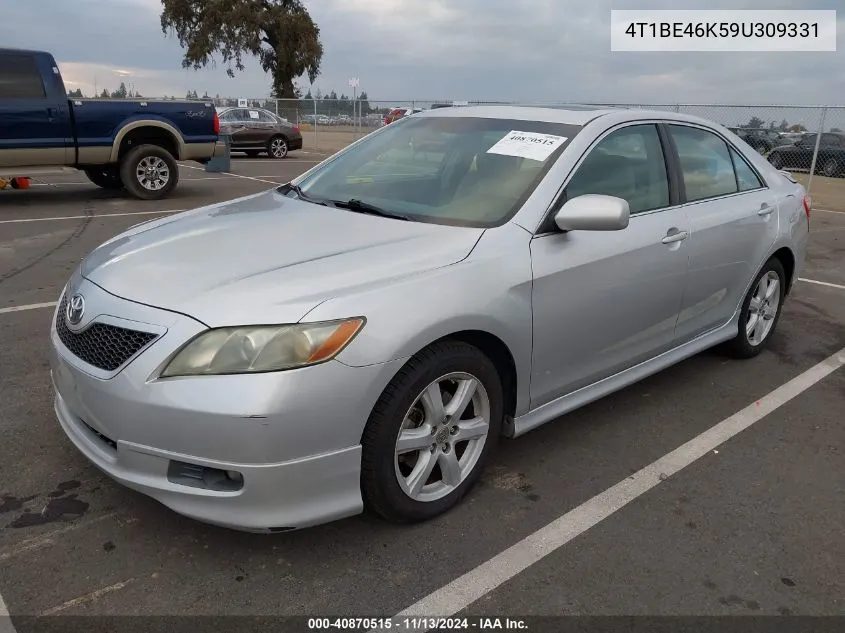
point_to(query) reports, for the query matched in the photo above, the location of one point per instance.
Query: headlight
(261, 348)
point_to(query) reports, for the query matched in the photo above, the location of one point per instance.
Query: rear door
(733, 224)
(35, 127)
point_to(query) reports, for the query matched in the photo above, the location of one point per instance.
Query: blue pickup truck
(118, 143)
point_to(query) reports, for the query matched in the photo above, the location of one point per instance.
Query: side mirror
(592, 212)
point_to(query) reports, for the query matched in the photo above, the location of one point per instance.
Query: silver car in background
(364, 335)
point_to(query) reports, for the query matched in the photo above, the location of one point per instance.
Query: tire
(401, 405)
(830, 168)
(106, 177)
(776, 160)
(277, 147)
(156, 183)
(744, 345)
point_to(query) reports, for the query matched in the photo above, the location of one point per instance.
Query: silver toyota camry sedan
(362, 336)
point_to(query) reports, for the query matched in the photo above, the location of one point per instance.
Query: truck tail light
(808, 206)
(216, 123)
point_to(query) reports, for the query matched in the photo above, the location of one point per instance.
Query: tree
(121, 92)
(76, 94)
(105, 94)
(364, 108)
(754, 123)
(280, 33)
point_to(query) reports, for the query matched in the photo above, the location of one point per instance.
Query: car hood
(266, 258)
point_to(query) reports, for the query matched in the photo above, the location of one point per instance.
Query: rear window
(462, 171)
(20, 78)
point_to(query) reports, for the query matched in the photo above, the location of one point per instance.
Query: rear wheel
(431, 433)
(149, 172)
(277, 147)
(106, 177)
(830, 168)
(761, 311)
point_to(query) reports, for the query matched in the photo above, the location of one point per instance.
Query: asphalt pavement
(751, 527)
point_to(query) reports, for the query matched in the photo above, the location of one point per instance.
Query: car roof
(575, 114)
(21, 51)
(569, 114)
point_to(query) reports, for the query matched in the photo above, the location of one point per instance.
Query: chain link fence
(807, 141)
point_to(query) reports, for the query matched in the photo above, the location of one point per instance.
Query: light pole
(354, 82)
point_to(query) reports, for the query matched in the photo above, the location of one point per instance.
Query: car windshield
(461, 171)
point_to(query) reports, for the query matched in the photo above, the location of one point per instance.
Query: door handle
(679, 236)
(765, 209)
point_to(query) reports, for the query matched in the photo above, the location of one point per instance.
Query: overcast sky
(514, 50)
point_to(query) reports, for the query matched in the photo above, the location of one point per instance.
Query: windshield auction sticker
(528, 145)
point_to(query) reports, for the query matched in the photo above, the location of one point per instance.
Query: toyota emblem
(75, 309)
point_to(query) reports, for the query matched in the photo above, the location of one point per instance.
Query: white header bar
(723, 30)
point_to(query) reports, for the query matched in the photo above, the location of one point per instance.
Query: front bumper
(292, 437)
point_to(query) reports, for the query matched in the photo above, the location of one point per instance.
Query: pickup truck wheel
(277, 147)
(149, 172)
(105, 177)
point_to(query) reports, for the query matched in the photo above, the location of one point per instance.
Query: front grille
(106, 347)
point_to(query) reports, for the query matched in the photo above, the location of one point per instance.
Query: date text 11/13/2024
(417, 623)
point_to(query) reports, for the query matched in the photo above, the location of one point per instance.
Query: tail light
(808, 206)
(296, 129)
(216, 123)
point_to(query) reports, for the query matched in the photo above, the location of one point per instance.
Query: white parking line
(31, 306)
(88, 184)
(822, 283)
(247, 161)
(80, 217)
(272, 182)
(829, 211)
(88, 597)
(462, 592)
(48, 539)
(6, 625)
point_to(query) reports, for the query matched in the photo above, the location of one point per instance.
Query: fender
(133, 123)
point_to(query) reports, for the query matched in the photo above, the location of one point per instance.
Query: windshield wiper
(359, 206)
(302, 195)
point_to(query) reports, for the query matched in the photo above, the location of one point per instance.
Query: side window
(706, 164)
(830, 140)
(20, 78)
(266, 117)
(627, 164)
(745, 176)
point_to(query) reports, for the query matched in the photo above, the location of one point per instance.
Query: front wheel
(431, 433)
(761, 311)
(277, 147)
(149, 172)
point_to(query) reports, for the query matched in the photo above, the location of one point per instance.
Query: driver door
(604, 301)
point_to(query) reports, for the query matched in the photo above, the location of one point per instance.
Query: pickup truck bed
(131, 144)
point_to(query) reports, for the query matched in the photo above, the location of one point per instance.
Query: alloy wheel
(442, 436)
(763, 308)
